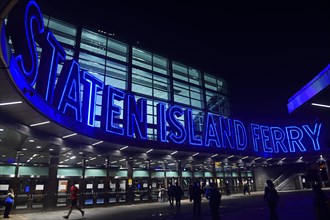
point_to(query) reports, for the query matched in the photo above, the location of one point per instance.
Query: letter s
(25, 21)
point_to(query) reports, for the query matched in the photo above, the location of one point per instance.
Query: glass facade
(147, 75)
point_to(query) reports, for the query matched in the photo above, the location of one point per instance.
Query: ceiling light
(100, 142)
(244, 157)
(31, 141)
(41, 123)
(257, 158)
(283, 158)
(38, 147)
(122, 160)
(174, 152)
(214, 155)
(123, 148)
(195, 154)
(269, 159)
(149, 151)
(51, 149)
(231, 156)
(300, 158)
(1, 129)
(10, 103)
(321, 105)
(69, 135)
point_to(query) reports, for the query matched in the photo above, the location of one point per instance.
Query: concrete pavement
(293, 205)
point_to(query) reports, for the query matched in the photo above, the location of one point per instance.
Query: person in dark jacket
(214, 197)
(320, 203)
(271, 197)
(178, 196)
(196, 195)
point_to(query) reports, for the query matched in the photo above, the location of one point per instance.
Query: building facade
(79, 105)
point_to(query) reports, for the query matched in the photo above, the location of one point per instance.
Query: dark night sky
(265, 50)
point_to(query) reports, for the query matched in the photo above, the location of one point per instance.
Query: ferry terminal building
(79, 105)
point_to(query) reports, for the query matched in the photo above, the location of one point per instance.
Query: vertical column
(149, 181)
(82, 182)
(52, 186)
(192, 168)
(129, 192)
(179, 168)
(214, 174)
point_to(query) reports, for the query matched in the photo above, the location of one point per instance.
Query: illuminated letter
(67, 92)
(314, 135)
(255, 136)
(264, 130)
(25, 22)
(210, 131)
(295, 135)
(135, 116)
(189, 124)
(241, 136)
(92, 85)
(161, 122)
(51, 54)
(227, 133)
(278, 136)
(178, 132)
(111, 111)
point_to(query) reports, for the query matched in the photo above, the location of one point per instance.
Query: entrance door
(30, 193)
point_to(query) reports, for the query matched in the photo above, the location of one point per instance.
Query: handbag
(9, 200)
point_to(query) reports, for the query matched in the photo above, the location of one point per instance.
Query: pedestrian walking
(178, 196)
(161, 194)
(196, 195)
(170, 194)
(214, 197)
(321, 205)
(9, 203)
(227, 187)
(246, 187)
(271, 197)
(74, 191)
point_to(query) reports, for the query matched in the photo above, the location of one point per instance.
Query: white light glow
(174, 152)
(10, 103)
(321, 105)
(69, 135)
(195, 154)
(123, 148)
(100, 142)
(41, 123)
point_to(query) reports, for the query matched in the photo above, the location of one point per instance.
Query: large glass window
(186, 73)
(64, 32)
(215, 84)
(187, 94)
(149, 84)
(149, 61)
(217, 103)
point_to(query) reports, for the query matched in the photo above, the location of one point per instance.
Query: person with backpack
(271, 198)
(9, 203)
(74, 200)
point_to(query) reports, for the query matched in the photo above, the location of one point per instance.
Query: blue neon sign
(71, 101)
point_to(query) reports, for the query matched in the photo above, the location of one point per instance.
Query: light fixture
(321, 105)
(174, 152)
(122, 160)
(69, 135)
(257, 158)
(214, 155)
(195, 154)
(31, 140)
(244, 157)
(231, 156)
(283, 158)
(1, 129)
(269, 159)
(149, 151)
(41, 123)
(38, 147)
(10, 103)
(100, 142)
(300, 158)
(123, 148)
